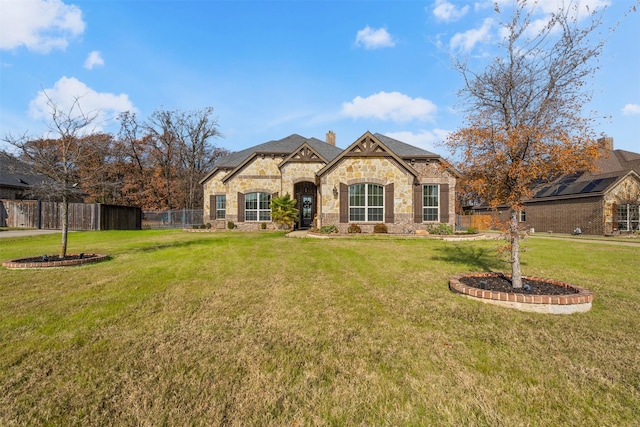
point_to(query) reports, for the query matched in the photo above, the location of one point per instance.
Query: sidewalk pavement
(23, 233)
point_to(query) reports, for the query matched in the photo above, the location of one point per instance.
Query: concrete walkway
(24, 233)
(300, 234)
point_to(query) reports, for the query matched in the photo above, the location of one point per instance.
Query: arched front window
(257, 207)
(366, 203)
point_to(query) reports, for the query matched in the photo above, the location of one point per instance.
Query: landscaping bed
(48, 261)
(536, 295)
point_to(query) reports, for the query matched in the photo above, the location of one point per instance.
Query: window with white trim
(257, 207)
(430, 202)
(221, 207)
(628, 217)
(522, 216)
(366, 203)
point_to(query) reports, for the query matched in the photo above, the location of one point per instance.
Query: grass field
(238, 329)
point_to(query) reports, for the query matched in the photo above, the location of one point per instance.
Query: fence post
(39, 210)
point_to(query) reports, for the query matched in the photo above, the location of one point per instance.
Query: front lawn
(232, 328)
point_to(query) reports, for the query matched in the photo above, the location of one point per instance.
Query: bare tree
(524, 121)
(183, 152)
(59, 156)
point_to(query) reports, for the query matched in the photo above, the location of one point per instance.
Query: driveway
(23, 233)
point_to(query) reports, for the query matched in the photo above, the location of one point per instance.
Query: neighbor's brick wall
(563, 216)
(8, 193)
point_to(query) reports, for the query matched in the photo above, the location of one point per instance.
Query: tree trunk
(65, 225)
(514, 235)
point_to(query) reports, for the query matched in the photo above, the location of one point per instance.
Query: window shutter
(444, 203)
(344, 203)
(417, 203)
(388, 203)
(614, 215)
(240, 207)
(212, 207)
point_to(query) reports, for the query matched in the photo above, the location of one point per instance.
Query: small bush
(354, 228)
(263, 226)
(471, 230)
(380, 228)
(328, 229)
(440, 229)
(203, 227)
(231, 225)
(208, 225)
(195, 227)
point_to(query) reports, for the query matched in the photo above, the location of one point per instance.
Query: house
(17, 179)
(605, 201)
(376, 179)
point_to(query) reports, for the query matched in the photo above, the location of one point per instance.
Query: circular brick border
(579, 302)
(26, 264)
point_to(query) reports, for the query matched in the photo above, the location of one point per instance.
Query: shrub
(231, 225)
(283, 211)
(208, 225)
(440, 229)
(471, 230)
(328, 229)
(195, 227)
(203, 227)
(380, 228)
(354, 228)
(263, 226)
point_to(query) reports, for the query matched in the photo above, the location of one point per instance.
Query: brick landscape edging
(25, 263)
(580, 301)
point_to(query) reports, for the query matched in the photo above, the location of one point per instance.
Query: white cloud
(69, 89)
(466, 41)
(374, 39)
(393, 106)
(39, 25)
(425, 139)
(93, 60)
(631, 109)
(448, 12)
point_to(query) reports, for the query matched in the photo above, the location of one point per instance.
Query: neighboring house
(17, 180)
(376, 179)
(603, 202)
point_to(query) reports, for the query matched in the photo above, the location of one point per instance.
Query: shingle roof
(402, 149)
(282, 146)
(609, 169)
(16, 174)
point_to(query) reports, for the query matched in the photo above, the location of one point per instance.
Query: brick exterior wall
(564, 216)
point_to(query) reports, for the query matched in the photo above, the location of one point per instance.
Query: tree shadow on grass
(482, 259)
(175, 244)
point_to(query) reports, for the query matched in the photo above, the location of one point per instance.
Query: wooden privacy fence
(479, 222)
(82, 216)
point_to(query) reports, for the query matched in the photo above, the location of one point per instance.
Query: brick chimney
(331, 138)
(606, 142)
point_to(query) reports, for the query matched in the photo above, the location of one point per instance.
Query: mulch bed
(47, 261)
(53, 258)
(503, 284)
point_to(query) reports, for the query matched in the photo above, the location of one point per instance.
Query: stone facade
(368, 160)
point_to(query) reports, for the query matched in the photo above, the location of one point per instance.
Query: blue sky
(273, 68)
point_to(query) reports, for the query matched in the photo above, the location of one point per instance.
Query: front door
(306, 213)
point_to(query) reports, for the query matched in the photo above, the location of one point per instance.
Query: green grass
(237, 328)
